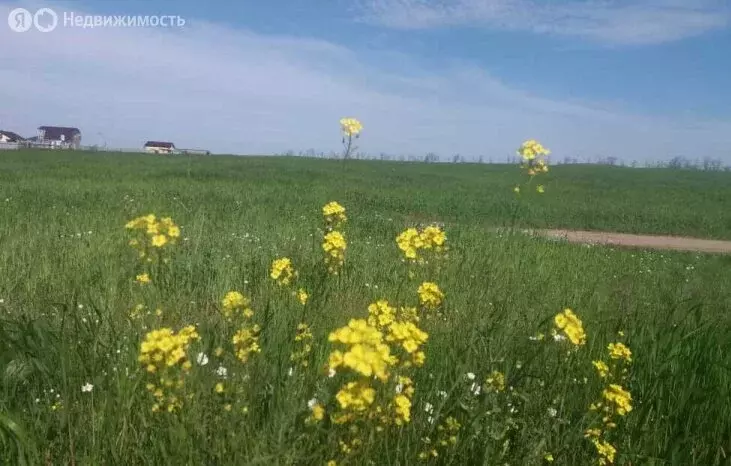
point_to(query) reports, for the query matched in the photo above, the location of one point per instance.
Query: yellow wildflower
(619, 351)
(334, 214)
(410, 241)
(571, 325)
(621, 398)
(282, 271)
(302, 296)
(143, 278)
(334, 245)
(430, 295)
(495, 381)
(531, 149)
(601, 368)
(350, 126)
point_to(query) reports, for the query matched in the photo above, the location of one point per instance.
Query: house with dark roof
(10, 137)
(59, 136)
(157, 147)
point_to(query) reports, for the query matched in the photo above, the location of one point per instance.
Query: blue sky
(643, 79)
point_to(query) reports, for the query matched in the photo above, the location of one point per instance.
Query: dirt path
(640, 241)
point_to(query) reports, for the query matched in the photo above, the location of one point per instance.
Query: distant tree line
(677, 163)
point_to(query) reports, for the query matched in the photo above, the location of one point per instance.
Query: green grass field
(68, 288)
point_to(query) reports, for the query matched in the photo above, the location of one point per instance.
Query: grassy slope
(241, 213)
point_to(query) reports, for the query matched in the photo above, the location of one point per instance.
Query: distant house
(157, 147)
(10, 137)
(59, 136)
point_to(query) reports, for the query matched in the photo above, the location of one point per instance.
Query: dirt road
(640, 241)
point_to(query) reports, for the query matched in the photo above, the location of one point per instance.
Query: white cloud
(227, 90)
(607, 21)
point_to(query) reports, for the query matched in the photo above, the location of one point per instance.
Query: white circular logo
(20, 20)
(50, 23)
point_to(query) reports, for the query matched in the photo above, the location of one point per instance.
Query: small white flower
(311, 404)
(2, 301)
(290, 371)
(202, 359)
(80, 306)
(87, 387)
(476, 388)
(471, 375)
(443, 394)
(331, 373)
(399, 388)
(552, 412)
(430, 419)
(221, 371)
(559, 337)
(428, 408)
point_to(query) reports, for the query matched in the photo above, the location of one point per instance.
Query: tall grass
(67, 289)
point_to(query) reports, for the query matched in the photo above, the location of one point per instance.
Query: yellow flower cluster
(152, 234)
(317, 412)
(615, 400)
(568, 323)
(350, 126)
(446, 437)
(430, 296)
(334, 245)
(164, 348)
(234, 302)
(246, 342)
(619, 351)
(409, 337)
(533, 153)
(495, 382)
(302, 296)
(283, 272)
(411, 241)
(236, 306)
(367, 353)
(161, 353)
(334, 215)
(372, 348)
(531, 149)
(303, 341)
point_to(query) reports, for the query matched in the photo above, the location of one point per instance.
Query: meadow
(493, 372)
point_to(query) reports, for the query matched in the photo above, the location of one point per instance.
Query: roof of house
(12, 136)
(167, 145)
(54, 133)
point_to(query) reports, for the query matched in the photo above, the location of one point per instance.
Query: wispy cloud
(234, 91)
(606, 21)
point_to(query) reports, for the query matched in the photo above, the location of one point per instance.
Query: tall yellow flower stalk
(164, 355)
(374, 356)
(151, 234)
(334, 243)
(615, 401)
(533, 161)
(351, 129)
